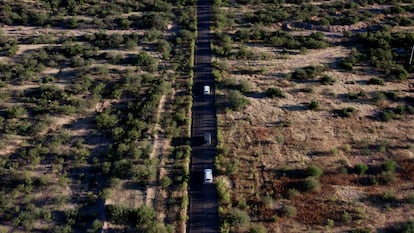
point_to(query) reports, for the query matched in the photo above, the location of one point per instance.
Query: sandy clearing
(61, 32)
(23, 48)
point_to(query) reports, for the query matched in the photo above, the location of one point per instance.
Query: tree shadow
(382, 200)
(318, 153)
(294, 108)
(292, 173)
(131, 185)
(256, 95)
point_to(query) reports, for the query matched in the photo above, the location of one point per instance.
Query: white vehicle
(206, 90)
(208, 176)
(207, 138)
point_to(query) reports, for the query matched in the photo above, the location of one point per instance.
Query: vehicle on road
(208, 176)
(207, 138)
(206, 90)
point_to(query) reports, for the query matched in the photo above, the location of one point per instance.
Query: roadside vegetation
(315, 108)
(94, 115)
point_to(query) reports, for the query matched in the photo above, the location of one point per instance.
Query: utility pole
(411, 57)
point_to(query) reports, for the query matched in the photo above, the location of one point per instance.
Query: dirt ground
(262, 147)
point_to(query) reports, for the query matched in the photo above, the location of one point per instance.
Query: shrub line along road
(203, 208)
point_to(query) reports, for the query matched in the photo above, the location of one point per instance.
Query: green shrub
(289, 211)
(410, 198)
(346, 217)
(258, 228)
(314, 170)
(96, 226)
(16, 112)
(165, 182)
(378, 96)
(327, 80)
(292, 193)
(62, 229)
(391, 95)
(365, 230)
(389, 165)
(237, 100)
(347, 112)
(397, 73)
(387, 178)
(312, 184)
(376, 81)
(146, 62)
(274, 92)
(361, 168)
(106, 120)
(239, 218)
(346, 64)
(313, 105)
(410, 109)
(408, 227)
(244, 86)
(223, 192)
(387, 115)
(400, 109)
(309, 72)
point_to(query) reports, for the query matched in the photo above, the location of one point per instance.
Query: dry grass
(264, 149)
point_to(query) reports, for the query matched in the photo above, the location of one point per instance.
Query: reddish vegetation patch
(338, 178)
(407, 169)
(317, 209)
(261, 134)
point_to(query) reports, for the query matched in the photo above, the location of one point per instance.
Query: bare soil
(271, 156)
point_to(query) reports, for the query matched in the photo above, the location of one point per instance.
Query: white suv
(206, 90)
(208, 176)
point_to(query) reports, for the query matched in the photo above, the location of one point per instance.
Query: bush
(274, 92)
(155, 227)
(314, 171)
(239, 218)
(397, 73)
(289, 211)
(410, 198)
(165, 182)
(244, 86)
(365, 230)
(16, 112)
(308, 72)
(361, 168)
(237, 100)
(312, 184)
(258, 228)
(347, 112)
(376, 81)
(408, 227)
(346, 64)
(106, 120)
(146, 62)
(389, 165)
(387, 115)
(292, 193)
(387, 178)
(327, 80)
(313, 105)
(96, 226)
(121, 214)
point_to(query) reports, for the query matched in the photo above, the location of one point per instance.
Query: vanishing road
(203, 209)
